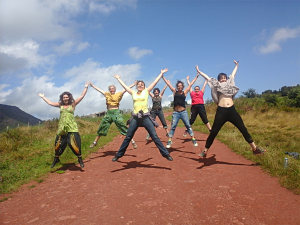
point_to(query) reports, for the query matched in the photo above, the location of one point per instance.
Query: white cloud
(26, 54)
(107, 6)
(136, 53)
(93, 102)
(280, 35)
(31, 25)
(70, 47)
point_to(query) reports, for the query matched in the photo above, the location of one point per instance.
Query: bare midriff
(179, 108)
(112, 107)
(225, 101)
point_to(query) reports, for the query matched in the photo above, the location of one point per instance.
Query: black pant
(196, 110)
(72, 139)
(160, 114)
(222, 116)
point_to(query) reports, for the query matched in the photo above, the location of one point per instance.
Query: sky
(52, 46)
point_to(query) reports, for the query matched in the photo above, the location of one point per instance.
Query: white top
(227, 88)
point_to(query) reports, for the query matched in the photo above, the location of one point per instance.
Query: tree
(250, 93)
(294, 94)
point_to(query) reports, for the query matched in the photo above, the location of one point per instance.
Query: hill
(12, 116)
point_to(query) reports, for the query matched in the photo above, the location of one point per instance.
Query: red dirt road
(145, 188)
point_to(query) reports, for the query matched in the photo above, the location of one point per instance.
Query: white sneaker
(195, 142)
(134, 145)
(148, 136)
(169, 144)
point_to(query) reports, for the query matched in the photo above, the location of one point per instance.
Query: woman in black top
(180, 109)
(157, 108)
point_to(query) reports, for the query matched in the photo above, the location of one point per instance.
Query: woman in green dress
(67, 133)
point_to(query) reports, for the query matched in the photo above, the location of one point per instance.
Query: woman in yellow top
(113, 114)
(141, 116)
(67, 133)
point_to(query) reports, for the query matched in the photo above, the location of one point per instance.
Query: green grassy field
(27, 152)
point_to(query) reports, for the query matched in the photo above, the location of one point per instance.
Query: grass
(27, 152)
(274, 129)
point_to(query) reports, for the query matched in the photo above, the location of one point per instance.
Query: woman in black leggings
(223, 91)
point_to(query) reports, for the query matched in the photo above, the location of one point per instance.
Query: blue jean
(185, 119)
(133, 126)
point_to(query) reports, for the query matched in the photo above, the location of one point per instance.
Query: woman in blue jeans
(141, 117)
(157, 108)
(180, 109)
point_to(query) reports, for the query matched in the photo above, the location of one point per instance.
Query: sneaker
(134, 144)
(195, 142)
(80, 161)
(258, 151)
(185, 133)
(202, 155)
(93, 144)
(169, 144)
(148, 136)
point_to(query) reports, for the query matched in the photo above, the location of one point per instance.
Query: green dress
(67, 121)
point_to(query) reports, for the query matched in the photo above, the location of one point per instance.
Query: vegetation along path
(145, 188)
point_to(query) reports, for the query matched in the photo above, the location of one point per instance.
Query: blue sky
(54, 46)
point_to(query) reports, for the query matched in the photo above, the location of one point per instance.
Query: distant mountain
(12, 116)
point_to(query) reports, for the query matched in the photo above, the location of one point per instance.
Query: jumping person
(67, 133)
(141, 117)
(180, 109)
(223, 91)
(157, 108)
(198, 107)
(113, 113)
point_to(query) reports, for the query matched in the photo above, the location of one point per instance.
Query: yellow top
(140, 101)
(113, 100)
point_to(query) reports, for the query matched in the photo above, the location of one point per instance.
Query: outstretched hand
(236, 62)
(87, 84)
(117, 76)
(41, 95)
(188, 77)
(164, 70)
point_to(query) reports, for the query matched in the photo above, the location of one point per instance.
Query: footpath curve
(145, 188)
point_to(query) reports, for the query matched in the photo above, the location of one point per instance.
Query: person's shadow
(104, 154)
(70, 167)
(136, 164)
(212, 160)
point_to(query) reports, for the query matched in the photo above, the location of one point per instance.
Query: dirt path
(145, 188)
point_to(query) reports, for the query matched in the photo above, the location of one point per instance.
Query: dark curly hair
(179, 82)
(156, 89)
(71, 99)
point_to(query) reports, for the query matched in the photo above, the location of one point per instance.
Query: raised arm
(163, 90)
(190, 84)
(86, 86)
(235, 69)
(128, 89)
(151, 86)
(55, 104)
(169, 84)
(203, 87)
(202, 74)
(96, 88)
